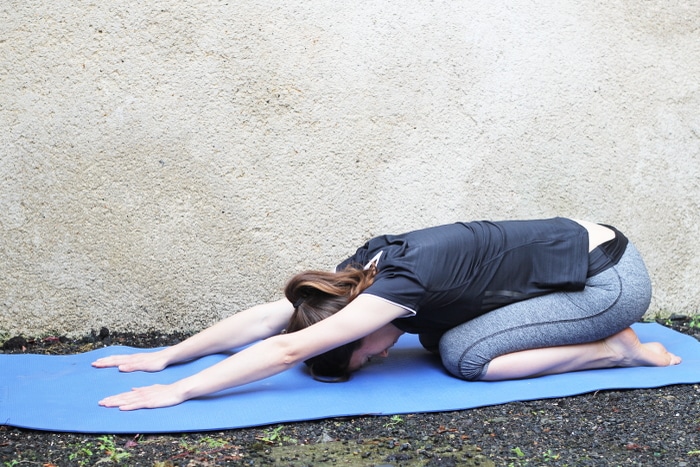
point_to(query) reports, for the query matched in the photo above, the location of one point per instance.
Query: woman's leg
(620, 350)
(555, 324)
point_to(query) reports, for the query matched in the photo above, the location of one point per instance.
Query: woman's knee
(464, 368)
(461, 359)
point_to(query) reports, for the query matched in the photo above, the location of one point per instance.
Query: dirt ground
(633, 427)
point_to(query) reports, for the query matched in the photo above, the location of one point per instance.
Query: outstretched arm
(235, 331)
(362, 316)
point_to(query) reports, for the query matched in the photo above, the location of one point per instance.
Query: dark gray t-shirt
(446, 275)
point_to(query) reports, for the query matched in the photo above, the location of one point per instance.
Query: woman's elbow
(288, 350)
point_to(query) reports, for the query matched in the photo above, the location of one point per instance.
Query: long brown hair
(316, 295)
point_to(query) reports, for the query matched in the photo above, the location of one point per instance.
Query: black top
(447, 275)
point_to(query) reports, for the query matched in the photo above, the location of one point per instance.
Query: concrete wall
(165, 164)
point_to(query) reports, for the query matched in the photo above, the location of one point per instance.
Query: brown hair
(316, 295)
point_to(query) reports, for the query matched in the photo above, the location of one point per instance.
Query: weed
(82, 455)
(694, 453)
(550, 456)
(393, 421)
(109, 447)
(518, 452)
(274, 435)
(11, 463)
(694, 321)
(187, 446)
(214, 443)
(661, 318)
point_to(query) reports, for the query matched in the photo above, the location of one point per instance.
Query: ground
(634, 427)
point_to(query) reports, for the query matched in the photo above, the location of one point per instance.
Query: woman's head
(316, 295)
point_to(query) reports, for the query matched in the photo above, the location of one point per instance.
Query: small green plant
(274, 435)
(393, 421)
(550, 456)
(11, 463)
(695, 452)
(187, 446)
(202, 445)
(694, 321)
(214, 443)
(83, 454)
(109, 447)
(518, 452)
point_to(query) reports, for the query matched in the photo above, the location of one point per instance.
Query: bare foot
(631, 352)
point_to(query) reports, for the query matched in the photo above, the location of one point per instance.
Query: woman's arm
(238, 330)
(362, 316)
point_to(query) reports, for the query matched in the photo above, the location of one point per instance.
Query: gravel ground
(607, 428)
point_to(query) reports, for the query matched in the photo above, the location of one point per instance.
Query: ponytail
(347, 283)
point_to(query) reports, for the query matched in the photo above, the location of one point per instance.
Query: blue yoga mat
(60, 393)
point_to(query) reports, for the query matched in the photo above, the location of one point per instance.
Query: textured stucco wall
(164, 164)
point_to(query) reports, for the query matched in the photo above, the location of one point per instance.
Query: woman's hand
(148, 397)
(149, 361)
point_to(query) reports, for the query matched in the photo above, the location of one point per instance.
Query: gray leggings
(610, 302)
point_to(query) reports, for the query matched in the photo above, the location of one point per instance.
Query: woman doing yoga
(496, 300)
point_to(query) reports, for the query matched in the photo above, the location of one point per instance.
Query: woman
(497, 300)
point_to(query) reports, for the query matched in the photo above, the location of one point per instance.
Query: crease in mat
(60, 393)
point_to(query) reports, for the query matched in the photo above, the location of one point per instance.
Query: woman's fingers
(135, 362)
(114, 360)
(148, 397)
